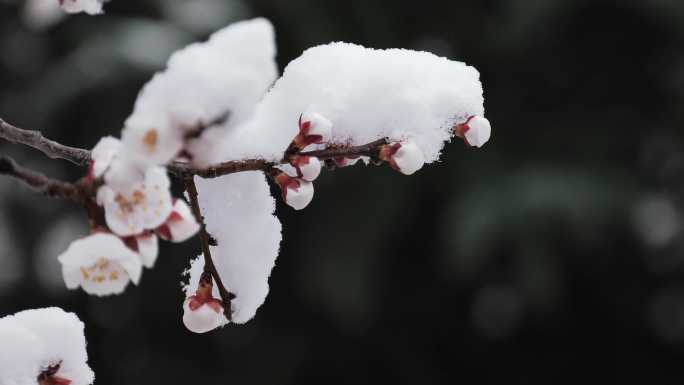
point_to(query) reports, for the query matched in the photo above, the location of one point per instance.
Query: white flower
(147, 246)
(91, 7)
(405, 157)
(475, 131)
(201, 316)
(313, 128)
(150, 144)
(180, 225)
(308, 167)
(102, 155)
(297, 193)
(143, 206)
(101, 264)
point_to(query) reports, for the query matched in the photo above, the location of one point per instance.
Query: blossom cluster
(219, 101)
(44, 346)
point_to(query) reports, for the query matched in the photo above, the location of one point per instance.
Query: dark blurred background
(553, 255)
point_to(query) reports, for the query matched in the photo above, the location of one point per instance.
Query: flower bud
(313, 128)
(308, 167)
(405, 157)
(475, 131)
(202, 312)
(297, 193)
(180, 225)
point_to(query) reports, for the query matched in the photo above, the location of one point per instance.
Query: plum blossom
(149, 142)
(101, 264)
(307, 167)
(405, 157)
(297, 193)
(180, 225)
(91, 7)
(102, 155)
(144, 205)
(202, 312)
(147, 246)
(314, 128)
(475, 131)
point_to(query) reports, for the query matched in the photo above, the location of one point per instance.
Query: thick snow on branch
(239, 213)
(367, 94)
(47, 343)
(222, 78)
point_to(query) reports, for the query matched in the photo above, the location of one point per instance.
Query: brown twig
(40, 183)
(182, 170)
(48, 147)
(205, 240)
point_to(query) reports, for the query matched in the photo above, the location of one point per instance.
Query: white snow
(238, 210)
(33, 340)
(203, 82)
(366, 94)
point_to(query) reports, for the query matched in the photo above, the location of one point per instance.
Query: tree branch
(205, 240)
(40, 183)
(182, 170)
(48, 147)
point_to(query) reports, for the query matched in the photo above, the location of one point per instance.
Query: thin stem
(81, 156)
(48, 147)
(205, 240)
(39, 182)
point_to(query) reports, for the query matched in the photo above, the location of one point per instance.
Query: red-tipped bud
(313, 128)
(405, 157)
(180, 225)
(202, 312)
(297, 193)
(308, 167)
(475, 131)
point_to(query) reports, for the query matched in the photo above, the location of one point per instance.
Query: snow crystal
(224, 76)
(238, 210)
(33, 340)
(366, 94)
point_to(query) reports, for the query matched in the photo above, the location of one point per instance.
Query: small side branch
(40, 183)
(48, 147)
(206, 240)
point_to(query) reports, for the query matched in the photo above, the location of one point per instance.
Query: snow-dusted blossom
(296, 192)
(151, 141)
(201, 311)
(102, 155)
(91, 7)
(314, 128)
(307, 167)
(405, 157)
(144, 205)
(180, 225)
(475, 131)
(101, 264)
(44, 346)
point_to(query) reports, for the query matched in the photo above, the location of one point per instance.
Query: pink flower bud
(344, 162)
(202, 312)
(313, 128)
(297, 193)
(180, 225)
(475, 131)
(405, 157)
(308, 167)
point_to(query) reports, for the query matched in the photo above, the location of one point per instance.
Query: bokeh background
(553, 255)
